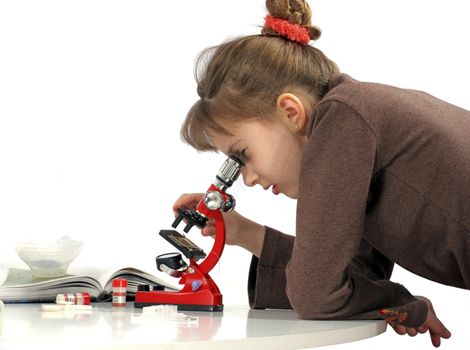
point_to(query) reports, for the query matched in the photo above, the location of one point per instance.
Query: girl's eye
(241, 154)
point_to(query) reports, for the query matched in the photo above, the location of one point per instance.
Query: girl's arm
(267, 277)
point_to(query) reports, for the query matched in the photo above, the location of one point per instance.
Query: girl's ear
(292, 111)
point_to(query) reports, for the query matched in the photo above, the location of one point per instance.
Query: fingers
(435, 339)
(402, 330)
(438, 331)
(422, 329)
(399, 329)
(405, 330)
(436, 328)
(209, 229)
(189, 200)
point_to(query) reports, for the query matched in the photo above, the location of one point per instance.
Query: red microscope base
(199, 293)
(202, 300)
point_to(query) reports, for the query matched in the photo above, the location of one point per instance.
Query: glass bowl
(49, 258)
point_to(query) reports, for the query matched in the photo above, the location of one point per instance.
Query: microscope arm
(219, 242)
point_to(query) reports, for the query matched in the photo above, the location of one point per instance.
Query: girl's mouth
(275, 190)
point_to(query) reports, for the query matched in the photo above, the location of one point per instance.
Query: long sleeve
(267, 277)
(337, 169)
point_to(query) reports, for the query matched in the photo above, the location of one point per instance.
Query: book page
(22, 286)
(100, 273)
(136, 276)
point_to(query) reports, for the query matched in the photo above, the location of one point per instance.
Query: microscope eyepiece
(229, 172)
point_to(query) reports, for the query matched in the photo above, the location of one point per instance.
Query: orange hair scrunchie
(291, 31)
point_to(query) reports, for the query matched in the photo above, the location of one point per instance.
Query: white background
(93, 93)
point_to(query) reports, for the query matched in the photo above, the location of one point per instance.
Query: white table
(25, 326)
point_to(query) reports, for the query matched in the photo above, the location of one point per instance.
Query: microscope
(199, 292)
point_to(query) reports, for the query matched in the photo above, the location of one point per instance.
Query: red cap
(119, 282)
(86, 298)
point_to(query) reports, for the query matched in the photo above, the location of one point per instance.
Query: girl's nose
(249, 177)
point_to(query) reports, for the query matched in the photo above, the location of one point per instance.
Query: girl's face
(271, 151)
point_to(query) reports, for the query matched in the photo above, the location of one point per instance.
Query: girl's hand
(237, 227)
(190, 201)
(432, 324)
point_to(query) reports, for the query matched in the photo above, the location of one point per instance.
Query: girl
(381, 175)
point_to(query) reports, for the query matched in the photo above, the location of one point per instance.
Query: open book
(22, 287)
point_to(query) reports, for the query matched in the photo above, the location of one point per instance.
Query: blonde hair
(242, 78)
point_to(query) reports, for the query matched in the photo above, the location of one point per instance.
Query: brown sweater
(385, 178)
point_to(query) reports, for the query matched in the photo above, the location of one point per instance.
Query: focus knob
(213, 200)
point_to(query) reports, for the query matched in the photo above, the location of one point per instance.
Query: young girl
(381, 175)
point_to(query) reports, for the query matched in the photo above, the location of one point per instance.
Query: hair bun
(296, 12)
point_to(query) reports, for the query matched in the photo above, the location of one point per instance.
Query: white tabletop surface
(26, 326)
